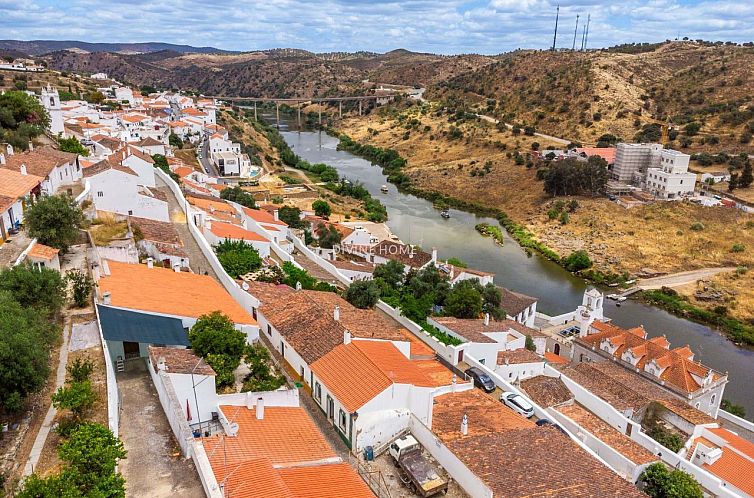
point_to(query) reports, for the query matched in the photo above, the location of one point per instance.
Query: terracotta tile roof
(485, 414)
(234, 232)
(538, 462)
(285, 436)
(267, 292)
(518, 356)
(546, 391)
(402, 370)
(677, 365)
(472, 329)
(108, 142)
(156, 231)
(106, 165)
(40, 161)
(254, 478)
(156, 193)
(162, 290)
(149, 142)
(211, 206)
(42, 251)
(325, 481)
(606, 153)
(6, 202)
(403, 253)
(14, 185)
(184, 171)
(350, 376)
(625, 390)
(362, 266)
(262, 216)
(179, 360)
(608, 434)
(514, 302)
(736, 464)
(554, 358)
(734, 440)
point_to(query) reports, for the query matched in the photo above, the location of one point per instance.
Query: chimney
(275, 214)
(298, 285)
(465, 425)
(336, 313)
(23, 169)
(260, 408)
(150, 263)
(177, 268)
(486, 319)
(2, 159)
(31, 146)
(346, 337)
(106, 297)
(161, 364)
(453, 383)
(434, 254)
(10, 150)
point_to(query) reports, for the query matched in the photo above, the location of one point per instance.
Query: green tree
(733, 182)
(25, 340)
(746, 177)
(175, 141)
(463, 302)
(574, 177)
(663, 483)
(393, 273)
(237, 257)
(72, 145)
(161, 162)
(21, 107)
(730, 407)
(55, 221)
(81, 287)
(291, 216)
(577, 260)
(215, 333)
(95, 97)
(328, 236)
(363, 294)
(530, 343)
(77, 397)
(41, 289)
(260, 377)
(321, 208)
(92, 452)
(238, 195)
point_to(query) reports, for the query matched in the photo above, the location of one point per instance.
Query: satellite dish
(245, 286)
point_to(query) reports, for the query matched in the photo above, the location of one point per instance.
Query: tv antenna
(555, 38)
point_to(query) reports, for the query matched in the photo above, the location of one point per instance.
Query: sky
(438, 26)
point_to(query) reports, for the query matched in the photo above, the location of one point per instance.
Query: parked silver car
(518, 404)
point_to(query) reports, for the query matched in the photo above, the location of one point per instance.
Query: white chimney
(23, 169)
(298, 285)
(161, 363)
(275, 214)
(260, 408)
(2, 159)
(150, 263)
(486, 319)
(106, 297)
(346, 337)
(453, 383)
(10, 150)
(336, 313)
(177, 268)
(465, 425)
(434, 254)
(31, 146)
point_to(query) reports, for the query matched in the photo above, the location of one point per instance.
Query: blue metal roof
(132, 326)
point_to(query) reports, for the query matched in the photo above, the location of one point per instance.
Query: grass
(488, 230)
(105, 230)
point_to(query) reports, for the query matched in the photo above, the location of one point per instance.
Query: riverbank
(393, 164)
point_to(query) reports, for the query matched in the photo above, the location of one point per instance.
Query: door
(330, 408)
(130, 350)
(556, 349)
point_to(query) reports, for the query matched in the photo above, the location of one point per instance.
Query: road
(681, 278)
(558, 140)
(208, 166)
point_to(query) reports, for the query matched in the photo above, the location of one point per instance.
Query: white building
(671, 180)
(51, 102)
(57, 168)
(633, 158)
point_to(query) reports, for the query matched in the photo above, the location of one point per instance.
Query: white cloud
(447, 26)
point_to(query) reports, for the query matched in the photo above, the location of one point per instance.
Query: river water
(416, 221)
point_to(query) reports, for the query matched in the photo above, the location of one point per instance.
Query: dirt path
(558, 140)
(681, 278)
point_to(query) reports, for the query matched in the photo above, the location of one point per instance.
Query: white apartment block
(672, 179)
(633, 158)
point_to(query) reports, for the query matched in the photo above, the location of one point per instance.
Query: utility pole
(586, 37)
(555, 38)
(573, 48)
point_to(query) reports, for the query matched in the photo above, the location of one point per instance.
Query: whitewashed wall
(113, 398)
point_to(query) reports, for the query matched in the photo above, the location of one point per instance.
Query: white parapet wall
(113, 399)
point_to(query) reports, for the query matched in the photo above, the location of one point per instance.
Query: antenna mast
(554, 39)
(586, 36)
(583, 36)
(573, 48)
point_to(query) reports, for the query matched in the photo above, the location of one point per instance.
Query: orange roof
(733, 468)
(192, 112)
(554, 358)
(734, 440)
(606, 153)
(183, 171)
(14, 185)
(133, 118)
(350, 376)
(42, 251)
(325, 481)
(162, 290)
(262, 216)
(254, 478)
(285, 436)
(385, 356)
(234, 232)
(210, 206)
(176, 124)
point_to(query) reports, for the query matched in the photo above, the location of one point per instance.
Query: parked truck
(416, 471)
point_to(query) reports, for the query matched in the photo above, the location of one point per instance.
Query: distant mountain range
(39, 47)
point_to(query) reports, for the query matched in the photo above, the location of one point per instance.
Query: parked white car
(518, 404)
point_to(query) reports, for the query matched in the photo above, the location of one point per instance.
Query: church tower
(51, 102)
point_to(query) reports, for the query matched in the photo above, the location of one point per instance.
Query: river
(416, 221)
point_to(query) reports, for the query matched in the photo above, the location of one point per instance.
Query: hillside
(39, 47)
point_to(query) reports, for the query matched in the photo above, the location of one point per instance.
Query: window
(712, 400)
(269, 329)
(130, 212)
(100, 194)
(318, 392)
(342, 419)
(510, 375)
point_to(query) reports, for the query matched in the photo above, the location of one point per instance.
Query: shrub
(663, 483)
(363, 293)
(77, 397)
(237, 257)
(321, 208)
(42, 290)
(80, 370)
(564, 218)
(730, 407)
(697, 226)
(55, 221)
(577, 260)
(239, 195)
(81, 286)
(738, 248)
